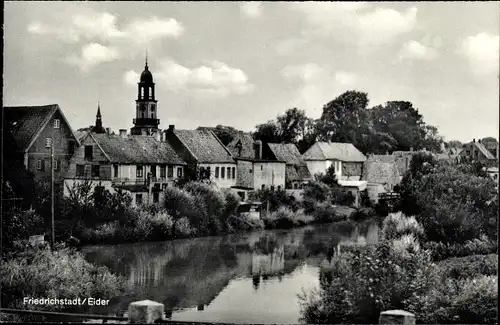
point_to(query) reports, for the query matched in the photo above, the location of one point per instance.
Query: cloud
(92, 27)
(317, 85)
(360, 21)
(482, 51)
(416, 50)
(93, 54)
(251, 9)
(289, 46)
(215, 79)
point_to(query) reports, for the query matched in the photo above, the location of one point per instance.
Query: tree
(286, 128)
(225, 133)
(268, 132)
(341, 117)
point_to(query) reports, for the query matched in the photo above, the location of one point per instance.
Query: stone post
(396, 317)
(145, 311)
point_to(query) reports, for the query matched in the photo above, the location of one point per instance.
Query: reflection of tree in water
(256, 281)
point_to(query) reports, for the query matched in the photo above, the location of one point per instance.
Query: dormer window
(57, 124)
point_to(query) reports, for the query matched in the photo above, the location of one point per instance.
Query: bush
(367, 281)
(19, 225)
(478, 246)
(214, 203)
(325, 212)
(397, 224)
(316, 192)
(239, 224)
(363, 214)
(183, 228)
(466, 301)
(469, 266)
(276, 199)
(63, 274)
(285, 218)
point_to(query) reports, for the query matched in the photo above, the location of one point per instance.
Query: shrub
(363, 214)
(275, 198)
(286, 218)
(368, 281)
(469, 266)
(317, 192)
(63, 273)
(481, 246)
(324, 212)
(240, 224)
(182, 228)
(397, 224)
(18, 225)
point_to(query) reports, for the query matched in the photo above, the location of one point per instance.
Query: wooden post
(145, 312)
(52, 242)
(397, 317)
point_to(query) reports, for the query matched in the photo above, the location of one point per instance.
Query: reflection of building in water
(269, 264)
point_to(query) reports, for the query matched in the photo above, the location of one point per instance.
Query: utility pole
(52, 187)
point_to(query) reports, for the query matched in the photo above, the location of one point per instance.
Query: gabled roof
(376, 171)
(287, 152)
(483, 150)
(334, 150)
(205, 146)
(27, 122)
(136, 149)
(297, 173)
(245, 140)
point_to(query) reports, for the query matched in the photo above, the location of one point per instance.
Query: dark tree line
(397, 125)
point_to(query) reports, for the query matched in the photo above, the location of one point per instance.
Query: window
(208, 172)
(95, 170)
(152, 116)
(138, 199)
(56, 164)
(71, 147)
(216, 172)
(202, 172)
(80, 170)
(142, 92)
(261, 167)
(263, 186)
(89, 152)
(250, 170)
(170, 171)
(163, 171)
(48, 142)
(115, 170)
(139, 171)
(476, 153)
(40, 165)
(153, 171)
(222, 172)
(57, 124)
(156, 197)
(234, 172)
(179, 172)
(153, 107)
(295, 186)
(228, 172)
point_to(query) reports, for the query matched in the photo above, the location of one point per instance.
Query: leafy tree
(225, 133)
(286, 128)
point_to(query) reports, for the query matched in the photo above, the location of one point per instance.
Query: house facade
(41, 132)
(206, 157)
(346, 158)
(381, 174)
(297, 172)
(477, 151)
(141, 165)
(257, 167)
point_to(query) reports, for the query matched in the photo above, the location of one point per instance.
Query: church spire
(98, 121)
(146, 65)
(98, 110)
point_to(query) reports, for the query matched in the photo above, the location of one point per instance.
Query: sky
(243, 63)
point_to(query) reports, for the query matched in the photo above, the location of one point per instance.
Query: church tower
(146, 119)
(97, 128)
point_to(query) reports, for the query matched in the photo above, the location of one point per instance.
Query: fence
(149, 312)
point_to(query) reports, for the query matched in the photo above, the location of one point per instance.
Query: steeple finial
(146, 59)
(98, 109)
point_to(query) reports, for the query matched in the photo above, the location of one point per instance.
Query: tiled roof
(205, 146)
(334, 150)
(137, 149)
(483, 150)
(26, 121)
(381, 172)
(382, 158)
(247, 146)
(297, 173)
(287, 152)
(80, 134)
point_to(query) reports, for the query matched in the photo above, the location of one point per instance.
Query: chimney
(479, 140)
(258, 149)
(123, 133)
(171, 128)
(473, 140)
(108, 131)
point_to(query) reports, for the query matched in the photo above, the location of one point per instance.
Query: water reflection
(239, 278)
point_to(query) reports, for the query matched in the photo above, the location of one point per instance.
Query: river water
(245, 278)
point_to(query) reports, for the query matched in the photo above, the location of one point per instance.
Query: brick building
(36, 129)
